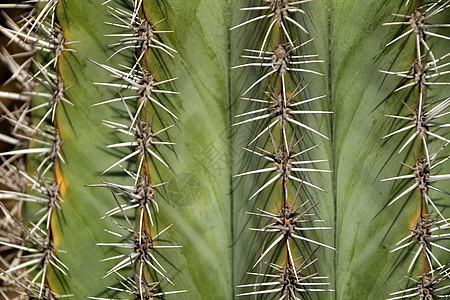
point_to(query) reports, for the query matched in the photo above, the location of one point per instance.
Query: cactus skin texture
(172, 220)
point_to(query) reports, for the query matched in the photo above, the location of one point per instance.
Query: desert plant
(151, 138)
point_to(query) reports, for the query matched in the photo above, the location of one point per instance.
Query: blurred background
(6, 254)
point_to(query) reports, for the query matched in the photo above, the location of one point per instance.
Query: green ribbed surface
(202, 201)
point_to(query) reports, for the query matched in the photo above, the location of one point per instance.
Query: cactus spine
(427, 143)
(143, 39)
(280, 123)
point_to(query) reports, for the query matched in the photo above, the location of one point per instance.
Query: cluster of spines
(149, 96)
(278, 117)
(426, 136)
(35, 135)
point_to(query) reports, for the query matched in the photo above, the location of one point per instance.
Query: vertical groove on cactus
(332, 157)
(144, 128)
(39, 34)
(278, 120)
(425, 110)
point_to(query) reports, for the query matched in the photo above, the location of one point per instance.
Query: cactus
(267, 149)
